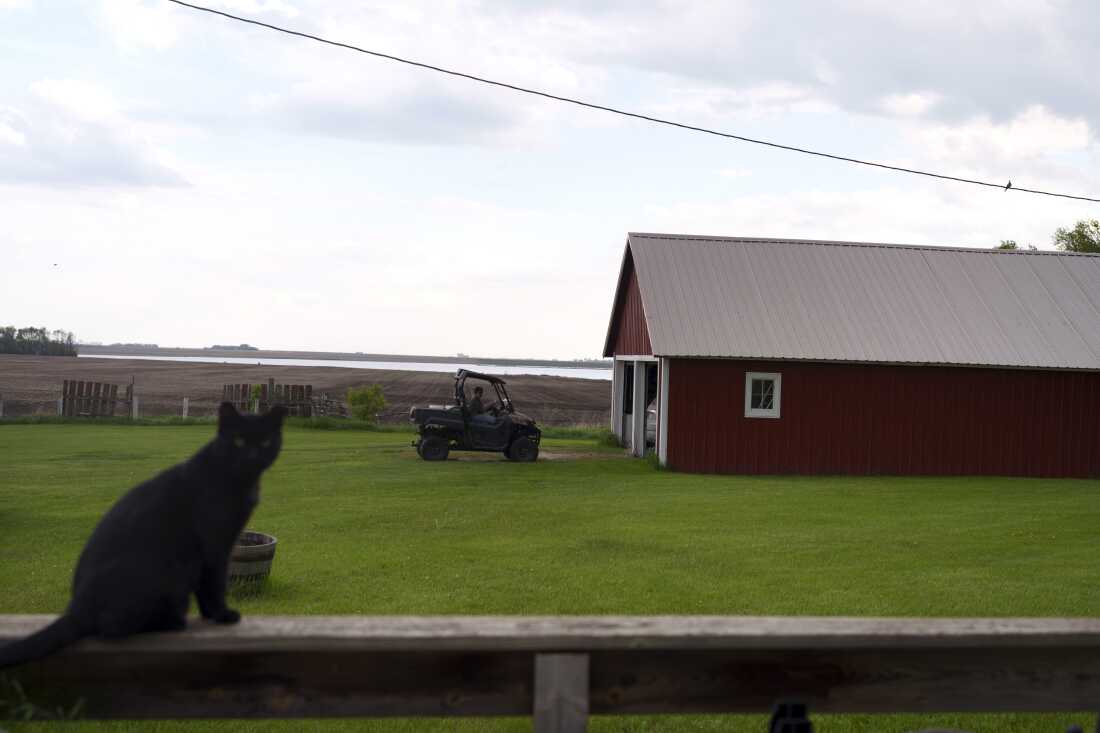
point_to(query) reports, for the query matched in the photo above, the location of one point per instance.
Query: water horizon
(407, 366)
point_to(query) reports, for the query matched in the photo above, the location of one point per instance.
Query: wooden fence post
(60, 406)
(135, 409)
(185, 406)
(561, 693)
(1, 406)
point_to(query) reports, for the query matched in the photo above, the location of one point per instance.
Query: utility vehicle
(499, 429)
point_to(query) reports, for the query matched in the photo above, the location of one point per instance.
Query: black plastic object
(790, 717)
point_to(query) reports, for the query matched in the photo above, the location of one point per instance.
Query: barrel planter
(250, 563)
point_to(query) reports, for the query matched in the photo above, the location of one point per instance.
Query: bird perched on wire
(1008, 186)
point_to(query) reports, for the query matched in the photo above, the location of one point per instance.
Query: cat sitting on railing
(166, 539)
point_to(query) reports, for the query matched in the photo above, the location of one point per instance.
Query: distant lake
(410, 366)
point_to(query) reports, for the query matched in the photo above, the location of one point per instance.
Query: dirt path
(544, 455)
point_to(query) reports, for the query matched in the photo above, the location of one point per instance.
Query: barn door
(650, 406)
(626, 427)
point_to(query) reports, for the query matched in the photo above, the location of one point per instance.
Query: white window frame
(776, 398)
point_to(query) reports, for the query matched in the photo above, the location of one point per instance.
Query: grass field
(365, 527)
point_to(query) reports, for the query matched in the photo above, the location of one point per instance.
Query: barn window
(762, 394)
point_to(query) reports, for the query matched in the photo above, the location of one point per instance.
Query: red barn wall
(864, 419)
(630, 335)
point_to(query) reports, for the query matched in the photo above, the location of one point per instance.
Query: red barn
(811, 357)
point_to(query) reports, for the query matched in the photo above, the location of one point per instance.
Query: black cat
(167, 538)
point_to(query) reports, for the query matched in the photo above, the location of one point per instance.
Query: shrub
(366, 402)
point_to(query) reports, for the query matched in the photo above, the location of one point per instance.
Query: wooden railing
(561, 669)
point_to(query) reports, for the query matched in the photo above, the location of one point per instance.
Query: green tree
(366, 402)
(1084, 237)
(1011, 244)
(36, 341)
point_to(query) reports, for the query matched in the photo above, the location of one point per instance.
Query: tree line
(36, 341)
(1083, 237)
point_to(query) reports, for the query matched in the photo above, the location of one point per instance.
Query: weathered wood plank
(584, 633)
(125, 685)
(561, 693)
(964, 679)
(379, 666)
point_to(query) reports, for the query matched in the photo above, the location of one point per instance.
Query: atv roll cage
(504, 404)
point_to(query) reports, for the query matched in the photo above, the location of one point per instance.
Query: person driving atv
(477, 409)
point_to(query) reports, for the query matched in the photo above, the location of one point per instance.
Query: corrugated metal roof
(849, 301)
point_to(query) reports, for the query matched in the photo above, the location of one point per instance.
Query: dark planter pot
(250, 563)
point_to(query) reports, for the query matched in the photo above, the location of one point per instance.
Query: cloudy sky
(168, 176)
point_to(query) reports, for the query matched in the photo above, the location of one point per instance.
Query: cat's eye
(238, 441)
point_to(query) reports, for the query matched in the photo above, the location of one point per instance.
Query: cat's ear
(276, 415)
(227, 414)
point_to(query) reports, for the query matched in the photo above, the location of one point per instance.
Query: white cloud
(331, 92)
(136, 25)
(913, 104)
(424, 112)
(80, 100)
(258, 7)
(73, 133)
(14, 4)
(9, 135)
(703, 105)
(1034, 133)
(139, 24)
(855, 53)
(935, 214)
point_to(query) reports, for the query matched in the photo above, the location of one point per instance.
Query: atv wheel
(523, 450)
(434, 448)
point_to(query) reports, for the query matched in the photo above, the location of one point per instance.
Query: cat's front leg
(211, 595)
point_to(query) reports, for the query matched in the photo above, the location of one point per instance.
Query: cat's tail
(60, 633)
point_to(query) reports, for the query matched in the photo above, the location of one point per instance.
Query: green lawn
(365, 527)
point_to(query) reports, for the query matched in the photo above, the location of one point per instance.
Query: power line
(624, 113)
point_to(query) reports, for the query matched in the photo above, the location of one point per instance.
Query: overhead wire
(625, 113)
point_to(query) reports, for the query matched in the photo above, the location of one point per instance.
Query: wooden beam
(561, 693)
(617, 376)
(287, 667)
(662, 410)
(637, 425)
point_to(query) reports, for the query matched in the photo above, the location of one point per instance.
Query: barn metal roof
(848, 301)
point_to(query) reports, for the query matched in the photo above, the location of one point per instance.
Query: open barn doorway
(626, 423)
(636, 403)
(650, 424)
